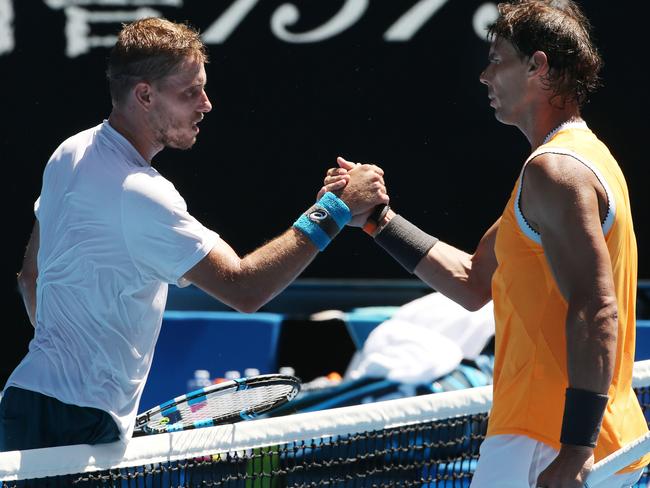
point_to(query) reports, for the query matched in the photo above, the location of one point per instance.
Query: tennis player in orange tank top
(559, 264)
(530, 374)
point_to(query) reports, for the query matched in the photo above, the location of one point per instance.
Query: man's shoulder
(145, 186)
(146, 180)
(555, 167)
(81, 138)
(76, 144)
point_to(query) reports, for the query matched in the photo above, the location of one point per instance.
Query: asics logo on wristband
(318, 215)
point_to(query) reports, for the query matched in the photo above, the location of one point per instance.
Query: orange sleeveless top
(530, 373)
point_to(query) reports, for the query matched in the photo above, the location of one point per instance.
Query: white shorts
(515, 461)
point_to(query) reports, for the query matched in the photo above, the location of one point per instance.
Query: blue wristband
(336, 207)
(324, 220)
(312, 230)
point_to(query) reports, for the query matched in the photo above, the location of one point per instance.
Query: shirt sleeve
(164, 240)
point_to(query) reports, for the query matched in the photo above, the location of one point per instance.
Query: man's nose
(207, 106)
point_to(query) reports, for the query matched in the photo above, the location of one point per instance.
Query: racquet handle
(618, 460)
(375, 217)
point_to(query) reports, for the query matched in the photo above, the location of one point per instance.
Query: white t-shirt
(113, 234)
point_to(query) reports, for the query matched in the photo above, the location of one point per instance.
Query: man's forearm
(591, 345)
(463, 277)
(591, 334)
(271, 268)
(452, 272)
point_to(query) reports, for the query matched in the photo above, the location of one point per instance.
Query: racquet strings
(221, 406)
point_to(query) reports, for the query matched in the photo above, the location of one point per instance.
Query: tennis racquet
(221, 403)
(618, 460)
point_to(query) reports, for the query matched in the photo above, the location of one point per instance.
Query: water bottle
(232, 375)
(287, 370)
(201, 379)
(248, 372)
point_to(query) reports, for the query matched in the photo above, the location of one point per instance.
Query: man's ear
(538, 64)
(143, 94)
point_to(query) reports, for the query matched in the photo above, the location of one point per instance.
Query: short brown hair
(148, 50)
(563, 33)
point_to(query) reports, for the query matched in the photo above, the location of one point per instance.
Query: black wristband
(405, 242)
(583, 414)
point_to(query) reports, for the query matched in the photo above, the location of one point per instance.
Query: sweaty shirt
(530, 373)
(113, 234)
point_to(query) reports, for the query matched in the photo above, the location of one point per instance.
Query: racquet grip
(375, 217)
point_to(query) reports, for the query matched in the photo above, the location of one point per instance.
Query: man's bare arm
(563, 200)
(248, 283)
(465, 278)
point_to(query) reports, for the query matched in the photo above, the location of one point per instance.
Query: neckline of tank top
(567, 124)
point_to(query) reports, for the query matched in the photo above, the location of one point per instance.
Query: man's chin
(503, 119)
(182, 145)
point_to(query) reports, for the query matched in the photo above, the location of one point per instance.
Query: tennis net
(429, 440)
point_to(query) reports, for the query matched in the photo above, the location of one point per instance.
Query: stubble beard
(176, 141)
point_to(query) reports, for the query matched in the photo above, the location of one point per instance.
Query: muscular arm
(248, 283)
(564, 201)
(465, 278)
(560, 199)
(28, 274)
